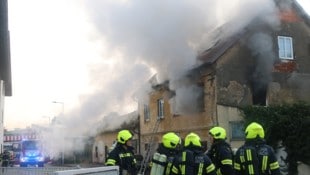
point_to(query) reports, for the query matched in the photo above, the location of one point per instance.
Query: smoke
(140, 38)
(167, 36)
(162, 36)
(187, 100)
(262, 49)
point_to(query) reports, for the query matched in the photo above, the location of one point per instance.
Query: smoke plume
(142, 38)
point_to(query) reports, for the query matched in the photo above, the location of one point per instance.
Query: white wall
(228, 114)
(101, 152)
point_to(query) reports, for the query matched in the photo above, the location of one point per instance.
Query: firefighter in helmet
(192, 159)
(255, 157)
(6, 158)
(122, 155)
(163, 158)
(220, 152)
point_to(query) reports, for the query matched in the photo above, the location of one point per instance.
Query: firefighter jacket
(255, 157)
(192, 161)
(123, 157)
(170, 153)
(221, 155)
(6, 156)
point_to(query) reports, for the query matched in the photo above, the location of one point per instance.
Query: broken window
(160, 108)
(285, 45)
(146, 112)
(259, 95)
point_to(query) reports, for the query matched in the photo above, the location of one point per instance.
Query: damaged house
(264, 62)
(109, 128)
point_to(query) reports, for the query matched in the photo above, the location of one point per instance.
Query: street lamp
(63, 105)
(62, 152)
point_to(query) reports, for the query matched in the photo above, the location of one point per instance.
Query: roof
(116, 122)
(219, 48)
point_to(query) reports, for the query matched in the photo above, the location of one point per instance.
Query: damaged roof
(116, 122)
(210, 55)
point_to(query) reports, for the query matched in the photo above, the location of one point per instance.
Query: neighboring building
(261, 64)
(158, 109)
(107, 135)
(5, 64)
(19, 134)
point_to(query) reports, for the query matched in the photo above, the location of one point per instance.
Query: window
(285, 45)
(259, 94)
(237, 130)
(160, 108)
(146, 112)
(96, 152)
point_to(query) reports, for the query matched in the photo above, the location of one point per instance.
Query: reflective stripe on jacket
(124, 158)
(256, 159)
(193, 162)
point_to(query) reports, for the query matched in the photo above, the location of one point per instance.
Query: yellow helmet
(192, 138)
(123, 136)
(170, 140)
(254, 130)
(218, 132)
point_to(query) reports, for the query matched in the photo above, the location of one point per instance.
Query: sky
(92, 57)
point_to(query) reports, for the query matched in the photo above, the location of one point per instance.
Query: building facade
(260, 64)
(5, 64)
(106, 138)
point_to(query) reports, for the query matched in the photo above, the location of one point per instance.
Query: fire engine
(31, 153)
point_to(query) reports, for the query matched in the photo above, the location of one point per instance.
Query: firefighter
(163, 158)
(255, 157)
(122, 155)
(6, 156)
(220, 152)
(192, 160)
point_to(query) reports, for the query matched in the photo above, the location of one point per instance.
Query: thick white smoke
(166, 36)
(140, 38)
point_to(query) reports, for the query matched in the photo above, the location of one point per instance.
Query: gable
(287, 14)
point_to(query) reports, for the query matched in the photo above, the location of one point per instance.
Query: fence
(32, 170)
(112, 170)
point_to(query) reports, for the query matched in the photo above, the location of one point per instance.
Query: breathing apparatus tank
(158, 164)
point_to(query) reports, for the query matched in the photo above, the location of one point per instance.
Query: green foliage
(287, 123)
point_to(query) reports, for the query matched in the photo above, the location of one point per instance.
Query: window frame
(160, 108)
(285, 50)
(146, 112)
(236, 127)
